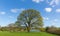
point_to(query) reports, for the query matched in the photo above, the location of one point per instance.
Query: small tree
(29, 18)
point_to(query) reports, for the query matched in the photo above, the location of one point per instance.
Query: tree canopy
(30, 18)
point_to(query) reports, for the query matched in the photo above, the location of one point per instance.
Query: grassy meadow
(25, 34)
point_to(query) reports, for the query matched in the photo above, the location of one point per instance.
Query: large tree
(30, 18)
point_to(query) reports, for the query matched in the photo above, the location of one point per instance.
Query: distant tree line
(14, 28)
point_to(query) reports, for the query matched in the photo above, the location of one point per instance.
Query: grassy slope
(25, 34)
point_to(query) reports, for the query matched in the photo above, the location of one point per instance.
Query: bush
(53, 30)
(57, 32)
(42, 29)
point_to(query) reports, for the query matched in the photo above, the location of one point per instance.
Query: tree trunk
(28, 29)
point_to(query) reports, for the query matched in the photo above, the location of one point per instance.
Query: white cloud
(53, 23)
(47, 1)
(37, 1)
(11, 17)
(22, 9)
(55, 20)
(45, 18)
(57, 10)
(54, 2)
(2, 13)
(53, 5)
(14, 10)
(17, 10)
(48, 9)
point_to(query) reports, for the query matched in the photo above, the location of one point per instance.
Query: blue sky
(49, 9)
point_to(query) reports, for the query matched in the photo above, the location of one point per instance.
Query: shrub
(53, 30)
(42, 29)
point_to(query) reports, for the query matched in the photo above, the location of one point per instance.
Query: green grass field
(25, 34)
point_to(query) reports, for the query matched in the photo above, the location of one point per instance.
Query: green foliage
(30, 17)
(46, 29)
(42, 29)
